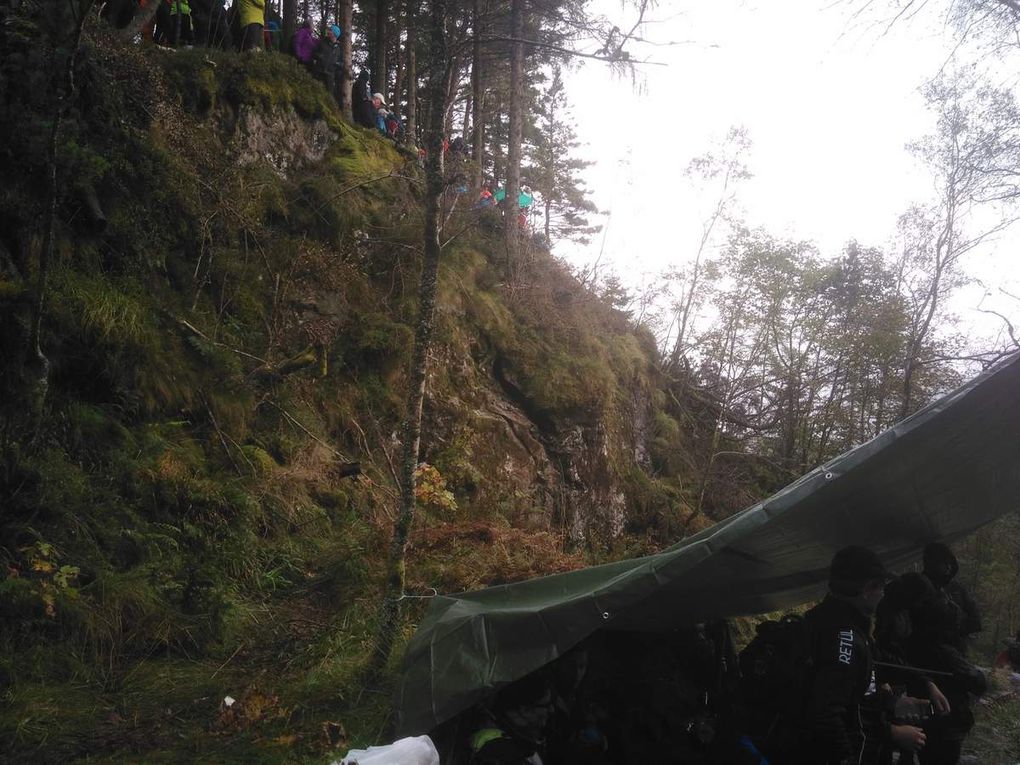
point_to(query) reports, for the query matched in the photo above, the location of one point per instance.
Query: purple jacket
(305, 44)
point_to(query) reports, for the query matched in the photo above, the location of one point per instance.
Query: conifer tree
(515, 107)
(555, 170)
(346, 16)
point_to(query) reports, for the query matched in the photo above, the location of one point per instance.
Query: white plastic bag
(417, 750)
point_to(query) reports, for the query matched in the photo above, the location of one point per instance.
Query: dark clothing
(841, 675)
(946, 734)
(361, 102)
(328, 62)
(941, 619)
(252, 37)
(970, 619)
(892, 617)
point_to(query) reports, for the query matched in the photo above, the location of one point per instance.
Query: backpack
(774, 671)
(394, 127)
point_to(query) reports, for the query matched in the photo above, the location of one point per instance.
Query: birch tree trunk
(36, 365)
(411, 431)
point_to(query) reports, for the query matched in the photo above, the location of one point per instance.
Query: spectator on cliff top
(272, 35)
(305, 43)
(381, 112)
(173, 24)
(361, 102)
(394, 126)
(330, 61)
(252, 20)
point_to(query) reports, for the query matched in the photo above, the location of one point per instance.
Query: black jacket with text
(841, 676)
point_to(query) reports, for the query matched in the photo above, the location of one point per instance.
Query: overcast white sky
(829, 106)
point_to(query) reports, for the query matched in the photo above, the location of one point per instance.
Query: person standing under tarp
(939, 627)
(844, 708)
(940, 563)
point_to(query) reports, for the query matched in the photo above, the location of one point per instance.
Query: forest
(271, 380)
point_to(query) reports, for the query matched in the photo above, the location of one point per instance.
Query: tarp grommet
(605, 614)
(829, 476)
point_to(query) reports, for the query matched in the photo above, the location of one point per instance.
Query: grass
(995, 738)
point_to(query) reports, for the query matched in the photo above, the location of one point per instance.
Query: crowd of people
(876, 673)
(255, 26)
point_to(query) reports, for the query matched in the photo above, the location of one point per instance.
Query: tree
(73, 16)
(477, 96)
(438, 73)
(511, 232)
(289, 14)
(379, 42)
(974, 158)
(347, 56)
(411, 110)
(717, 175)
(800, 361)
(555, 169)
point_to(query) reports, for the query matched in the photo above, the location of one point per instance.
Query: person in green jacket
(252, 16)
(181, 32)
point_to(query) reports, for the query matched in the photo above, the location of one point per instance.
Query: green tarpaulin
(938, 475)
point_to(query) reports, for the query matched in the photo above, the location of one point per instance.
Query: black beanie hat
(853, 567)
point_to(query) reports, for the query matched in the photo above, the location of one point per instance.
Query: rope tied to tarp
(405, 596)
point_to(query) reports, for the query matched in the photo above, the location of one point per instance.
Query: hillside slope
(198, 506)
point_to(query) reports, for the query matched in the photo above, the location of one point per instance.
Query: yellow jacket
(252, 12)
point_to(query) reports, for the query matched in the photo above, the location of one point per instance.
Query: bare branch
(624, 58)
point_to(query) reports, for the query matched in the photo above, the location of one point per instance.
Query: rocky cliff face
(514, 456)
(280, 138)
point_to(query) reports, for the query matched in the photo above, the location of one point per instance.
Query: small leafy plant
(41, 566)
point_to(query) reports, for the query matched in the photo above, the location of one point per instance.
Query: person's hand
(907, 737)
(938, 699)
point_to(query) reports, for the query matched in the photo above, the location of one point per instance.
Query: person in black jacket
(328, 58)
(941, 622)
(361, 102)
(941, 568)
(843, 707)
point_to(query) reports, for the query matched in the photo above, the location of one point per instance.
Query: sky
(829, 103)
